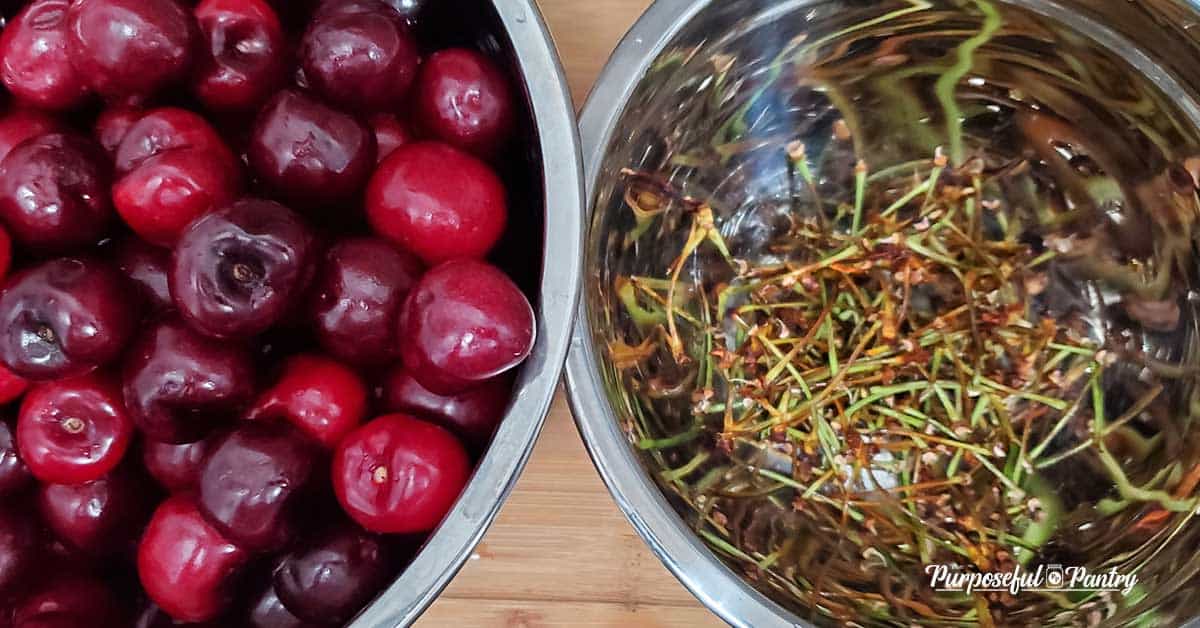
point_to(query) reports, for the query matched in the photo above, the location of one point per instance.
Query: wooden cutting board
(561, 554)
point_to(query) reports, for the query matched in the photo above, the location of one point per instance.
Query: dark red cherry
(129, 49)
(18, 125)
(437, 202)
(19, 548)
(179, 384)
(166, 192)
(12, 386)
(250, 483)
(14, 474)
(113, 124)
(35, 63)
(175, 467)
(268, 612)
(464, 323)
(242, 58)
(364, 59)
(308, 152)
(239, 270)
(357, 296)
(168, 128)
(463, 98)
(64, 317)
(398, 475)
(98, 518)
(472, 414)
(70, 601)
(73, 430)
(390, 134)
(321, 397)
(6, 254)
(185, 565)
(54, 192)
(333, 575)
(146, 267)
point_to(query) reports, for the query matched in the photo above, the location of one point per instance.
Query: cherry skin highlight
(463, 98)
(242, 58)
(35, 62)
(398, 475)
(73, 430)
(321, 397)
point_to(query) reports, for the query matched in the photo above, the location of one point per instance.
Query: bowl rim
(449, 546)
(640, 499)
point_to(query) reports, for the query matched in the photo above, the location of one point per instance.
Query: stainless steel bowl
(663, 63)
(546, 196)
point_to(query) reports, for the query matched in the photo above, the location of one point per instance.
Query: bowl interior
(751, 129)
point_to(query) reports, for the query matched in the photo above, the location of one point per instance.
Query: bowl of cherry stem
(278, 335)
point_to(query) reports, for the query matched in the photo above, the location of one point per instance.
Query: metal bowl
(662, 68)
(540, 251)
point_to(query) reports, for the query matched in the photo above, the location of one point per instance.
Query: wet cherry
(35, 64)
(321, 397)
(54, 192)
(242, 58)
(73, 430)
(160, 197)
(160, 130)
(330, 577)
(463, 98)
(98, 518)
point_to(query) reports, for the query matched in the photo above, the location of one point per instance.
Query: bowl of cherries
(285, 291)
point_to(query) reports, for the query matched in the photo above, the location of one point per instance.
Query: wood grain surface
(561, 553)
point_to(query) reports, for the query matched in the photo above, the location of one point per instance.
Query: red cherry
(113, 124)
(14, 475)
(321, 397)
(472, 415)
(35, 64)
(166, 192)
(129, 49)
(168, 128)
(18, 125)
(70, 601)
(99, 518)
(175, 467)
(464, 323)
(12, 386)
(243, 53)
(185, 565)
(74, 430)
(390, 134)
(362, 58)
(399, 475)
(147, 267)
(437, 202)
(464, 98)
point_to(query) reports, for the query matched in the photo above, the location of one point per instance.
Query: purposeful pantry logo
(954, 578)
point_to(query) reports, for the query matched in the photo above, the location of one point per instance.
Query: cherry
(238, 270)
(98, 518)
(71, 601)
(398, 475)
(243, 53)
(362, 59)
(186, 566)
(152, 616)
(321, 397)
(472, 415)
(12, 386)
(54, 192)
(19, 543)
(357, 297)
(308, 152)
(331, 577)
(390, 134)
(129, 49)
(166, 192)
(14, 474)
(175, 467)
(179, 384)
(113, 124)
(168, 128)
(268, 612)
(464, 98)
(250, 482)
(18, 125)
(35, 64)
(146, 267)
(73, 430)
(465, 322)
(437, 202)
(65, 316)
